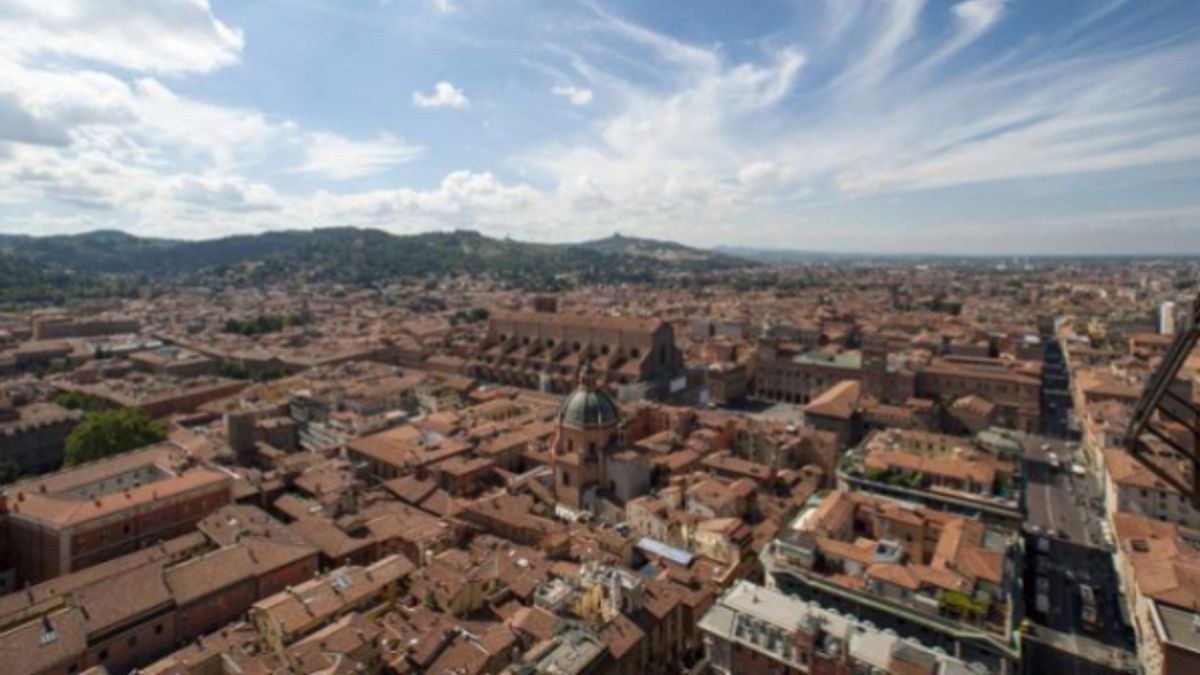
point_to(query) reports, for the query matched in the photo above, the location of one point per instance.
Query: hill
(346, 255)
(665, 251)
(780, 256)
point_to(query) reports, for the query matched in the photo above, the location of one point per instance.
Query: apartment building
(1130, 487)
(752, 630)
(949, 473)
(944, 579)
(1159, 565)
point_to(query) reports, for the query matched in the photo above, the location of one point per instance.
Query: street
(1057, 502)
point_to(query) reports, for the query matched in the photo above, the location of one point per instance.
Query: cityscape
(832, 338)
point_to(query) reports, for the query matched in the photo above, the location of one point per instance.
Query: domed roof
(588, 407)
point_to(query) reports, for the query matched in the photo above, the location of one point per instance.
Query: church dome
(587, 408)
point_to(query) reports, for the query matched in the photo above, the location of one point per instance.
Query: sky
(903, 126)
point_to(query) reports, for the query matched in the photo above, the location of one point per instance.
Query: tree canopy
(109, 432)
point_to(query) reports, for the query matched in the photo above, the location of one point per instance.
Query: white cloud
(162, 36)
(684, 139)
(101, 132)
(341, 158)
(444, 95)
(576, 95)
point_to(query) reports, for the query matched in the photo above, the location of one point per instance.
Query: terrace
(943, 572)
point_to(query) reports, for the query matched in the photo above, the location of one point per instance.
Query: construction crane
(1158, 403)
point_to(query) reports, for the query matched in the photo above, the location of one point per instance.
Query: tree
(9, 471)
(109, 432)
(76, 401)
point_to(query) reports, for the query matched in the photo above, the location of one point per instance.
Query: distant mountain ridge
(349, 255)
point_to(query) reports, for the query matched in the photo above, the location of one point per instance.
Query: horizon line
(724, 249)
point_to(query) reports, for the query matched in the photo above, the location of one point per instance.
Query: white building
(1166, 318)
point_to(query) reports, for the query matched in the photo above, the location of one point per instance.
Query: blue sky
(970, 126)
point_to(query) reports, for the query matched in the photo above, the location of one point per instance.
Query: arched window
(604, 349)
(635, 352)
(575, 346)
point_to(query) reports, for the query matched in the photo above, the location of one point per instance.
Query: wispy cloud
(690, 131)
(973, 18)
(343, 159)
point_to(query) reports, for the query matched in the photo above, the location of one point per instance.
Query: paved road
(1056, 397)
(1056, 502)
(1064, 566)
(1064, 549)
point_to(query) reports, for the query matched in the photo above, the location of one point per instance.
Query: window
(103, 655)
(158, 629)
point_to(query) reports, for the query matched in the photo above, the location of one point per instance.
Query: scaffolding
(1159, 402)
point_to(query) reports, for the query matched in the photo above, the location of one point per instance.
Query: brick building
(134, 609)
(66, 521)
(545, 350)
